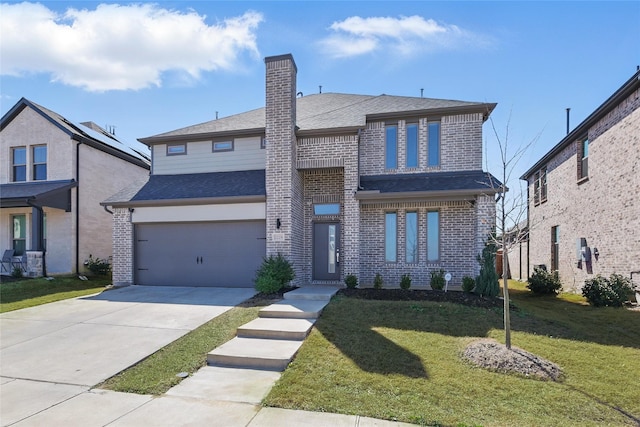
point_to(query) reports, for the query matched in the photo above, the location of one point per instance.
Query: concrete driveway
(53, 352)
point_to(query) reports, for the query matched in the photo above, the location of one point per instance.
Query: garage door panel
(199, 254)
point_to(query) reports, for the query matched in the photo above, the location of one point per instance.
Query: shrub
(543, 282)
(378, 282)
(437, 280)
(468, 284)
(98, 266)
(603, 292)
(274, 274)
(487, 282)
(17, 272)
(351, 281)
(405, 281)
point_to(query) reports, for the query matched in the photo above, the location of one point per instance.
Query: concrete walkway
(52, 355)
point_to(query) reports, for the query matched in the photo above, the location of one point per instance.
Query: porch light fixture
(278, 223)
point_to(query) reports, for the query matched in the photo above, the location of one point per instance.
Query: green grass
(157, 373)
(31, 292)
(400, 361)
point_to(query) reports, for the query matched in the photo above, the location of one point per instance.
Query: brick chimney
(283, 181)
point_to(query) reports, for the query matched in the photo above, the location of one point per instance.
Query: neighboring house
(584, 195)
(53, 175)
(340, 184)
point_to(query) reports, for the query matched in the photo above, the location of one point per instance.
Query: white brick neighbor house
(338, 183)
(53, 175)
(584, 195)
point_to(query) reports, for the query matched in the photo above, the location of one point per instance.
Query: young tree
(512, 226)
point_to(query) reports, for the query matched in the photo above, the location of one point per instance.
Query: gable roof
(88, 133)
(581, 130)
(327, 112)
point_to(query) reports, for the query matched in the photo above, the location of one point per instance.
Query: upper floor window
(390, 237)
(222, 146)
(540, 186)
(583, 158)
(391, 147)
(19, 164)
(411, 227)
(176, 149)
(412, 145)
(433, 236)
(40, 163)
(433, 146)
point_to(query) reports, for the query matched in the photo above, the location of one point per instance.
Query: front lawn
(23, 293)
(399, 360)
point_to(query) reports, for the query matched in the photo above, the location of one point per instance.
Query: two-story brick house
(53, 175)
(584, 204)
(338, 183)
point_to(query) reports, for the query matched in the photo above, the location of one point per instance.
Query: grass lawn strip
(400, 360)
(157, 373)
(15, 295)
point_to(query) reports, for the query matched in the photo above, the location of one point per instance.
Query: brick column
(122, 259)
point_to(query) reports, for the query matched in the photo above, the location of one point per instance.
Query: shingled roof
(327, 111)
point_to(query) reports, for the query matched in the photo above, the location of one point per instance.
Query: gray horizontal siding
(247, 155)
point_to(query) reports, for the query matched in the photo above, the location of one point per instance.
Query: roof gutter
(187, 202)
(444, 195)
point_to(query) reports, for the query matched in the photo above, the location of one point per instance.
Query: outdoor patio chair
(7, 261)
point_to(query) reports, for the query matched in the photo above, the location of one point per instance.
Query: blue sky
(148, 68)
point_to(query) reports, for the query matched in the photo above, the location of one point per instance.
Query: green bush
(351, 281)
(405, 281)
(487, 282)
(437, 280)
(468, 284)
(378, 282)
(611, 292)
(98, 266)
(274, 274)
(543, 282)
(17, 272)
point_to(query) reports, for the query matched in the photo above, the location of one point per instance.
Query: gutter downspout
(77, 138)
(107, 209)
(40, 237)
(359, 186)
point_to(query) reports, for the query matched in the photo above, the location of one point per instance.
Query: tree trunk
(505, 287)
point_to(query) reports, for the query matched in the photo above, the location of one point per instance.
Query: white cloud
(116, 47)
(406, 35)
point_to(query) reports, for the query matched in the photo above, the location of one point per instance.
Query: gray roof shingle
(193, 186)
(471, 181)
(325, 111)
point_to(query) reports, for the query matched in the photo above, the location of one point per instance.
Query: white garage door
(225, 254)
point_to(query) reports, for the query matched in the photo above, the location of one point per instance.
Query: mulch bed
(457, 297)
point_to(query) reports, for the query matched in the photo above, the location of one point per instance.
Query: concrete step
(277, 329)
(255, 353)
(314, 293)
(294, 309)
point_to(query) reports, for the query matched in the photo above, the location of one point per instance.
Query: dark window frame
(183, 153)
(15, 166)
(19, 250)
(231, 142)
(438, 237)
(416, 163)
(387, 128)
(583, 161)
(416, 236)
(437, 157)
(36, 167)
(387, 259)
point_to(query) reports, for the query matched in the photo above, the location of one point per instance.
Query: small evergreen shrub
(437, 280)
(543, 282)
(468, 284)
(274, 274)
(351, 281)
(17, 272)
(378, 282)
(487, 281)
(611, 292)
(98, 266)
(405, 281)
